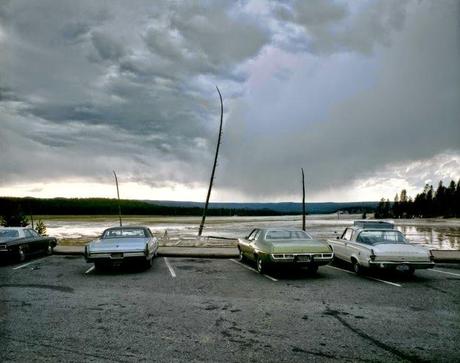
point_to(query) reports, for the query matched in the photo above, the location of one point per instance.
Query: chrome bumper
(394, 264)
(319, 258)
(91, 256)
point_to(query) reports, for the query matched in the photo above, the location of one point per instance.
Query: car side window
(257, 235)
(28, 233)
(347, 234)
(252, 235)
(34, 233)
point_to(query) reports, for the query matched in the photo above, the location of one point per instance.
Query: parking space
(59, 308)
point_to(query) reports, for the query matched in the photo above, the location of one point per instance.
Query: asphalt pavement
(58, 308)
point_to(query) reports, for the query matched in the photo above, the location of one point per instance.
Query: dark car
(18, 243)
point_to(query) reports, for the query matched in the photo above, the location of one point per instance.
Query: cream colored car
(378, 245)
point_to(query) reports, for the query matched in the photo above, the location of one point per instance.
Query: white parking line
(368, 277)
(384, 281)
(444, 272)
(28, 263)
(250, 268)
(89, 270)
(171, 270)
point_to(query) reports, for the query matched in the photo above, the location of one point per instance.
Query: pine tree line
(444, 202)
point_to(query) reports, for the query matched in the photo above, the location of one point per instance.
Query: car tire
(357, 268)
(410, 272)
(260, 265)
(49, 249)
(313, 269)
(21, 254)
(149, 263)
(241, 255)
(100, 266)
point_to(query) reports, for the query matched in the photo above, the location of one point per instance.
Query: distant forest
(444, 202)
(10, 206)
(104, 206)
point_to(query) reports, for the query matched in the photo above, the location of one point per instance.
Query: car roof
(128, 227)
(15, 228)
(372, 225)
(265, 229)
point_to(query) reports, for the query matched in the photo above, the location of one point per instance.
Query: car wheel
(410, 272)
(21, 254)
(100, 266)
(49, 250)
(357, 268)
(260, 265)
(149, 263)
(241, 258)
(313, 269)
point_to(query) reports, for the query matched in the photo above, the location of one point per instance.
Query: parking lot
(58, 308)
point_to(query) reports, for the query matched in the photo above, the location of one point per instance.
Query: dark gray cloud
(334, 86)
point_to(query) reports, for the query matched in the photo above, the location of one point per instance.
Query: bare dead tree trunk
(118, 195)
(205, 211)
(303, 200)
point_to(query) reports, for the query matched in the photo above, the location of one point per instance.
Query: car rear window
(381, 236)
(9, 233)
(124, 232)
(286, 234)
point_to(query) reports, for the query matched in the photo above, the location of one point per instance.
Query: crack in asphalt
(408, 357)
(41, 286)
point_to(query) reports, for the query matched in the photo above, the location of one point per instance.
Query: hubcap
(259, 265)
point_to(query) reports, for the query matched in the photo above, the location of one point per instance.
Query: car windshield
(286, 234)
(124, 232)
(9, 233)
(381, 236)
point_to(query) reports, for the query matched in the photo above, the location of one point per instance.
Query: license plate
(117, 255)
(402, 268)
(303, 258)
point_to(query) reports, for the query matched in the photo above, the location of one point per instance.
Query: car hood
(299, 246)
(117, 244)
(401, 250)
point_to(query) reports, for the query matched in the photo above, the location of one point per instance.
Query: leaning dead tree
(303, 200)
(205, 211)
(118, 195)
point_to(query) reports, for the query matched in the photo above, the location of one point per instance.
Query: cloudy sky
(364, 95)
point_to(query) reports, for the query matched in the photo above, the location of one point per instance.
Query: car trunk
(119, 244)
(299, 246)
(400, 252)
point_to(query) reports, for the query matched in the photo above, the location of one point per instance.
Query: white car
(378, 245)
(119, 245)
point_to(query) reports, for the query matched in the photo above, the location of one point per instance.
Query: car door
(341, 247)
(246, 244)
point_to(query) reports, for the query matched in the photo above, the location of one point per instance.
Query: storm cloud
(345, 90)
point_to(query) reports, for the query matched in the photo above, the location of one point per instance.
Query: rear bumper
(116, 257)
(305, 259)
(393, 265)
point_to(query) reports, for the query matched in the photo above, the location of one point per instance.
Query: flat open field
(77, 230)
